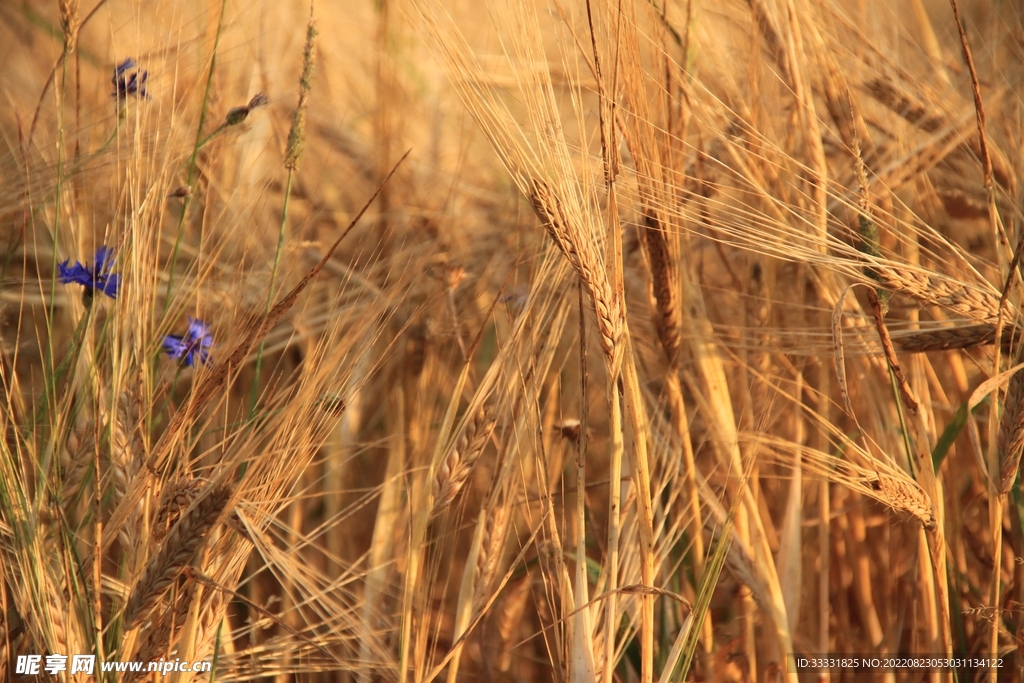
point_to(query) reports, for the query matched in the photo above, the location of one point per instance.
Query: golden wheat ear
(176, 552)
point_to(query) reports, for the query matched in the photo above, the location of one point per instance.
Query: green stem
(216, 131)
(904, 427)
(270, 291)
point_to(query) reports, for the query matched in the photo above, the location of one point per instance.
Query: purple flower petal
(124, 66)
(129, 84)
(98, 277)
(191, 345)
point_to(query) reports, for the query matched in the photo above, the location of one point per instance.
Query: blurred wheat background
(683, 337)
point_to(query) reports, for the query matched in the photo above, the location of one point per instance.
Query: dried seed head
(69, 23)
(928, 288)
(258, 100)
(451, 276)
(905, 495)
(297, 134)
(76, 459)
(238, 114)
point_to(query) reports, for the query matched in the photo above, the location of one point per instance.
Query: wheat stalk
(175, 498)
(579, 250)
(952, 338)
(664, 286)
(488, 558)
(931, 288)
(904, 494)
(69, 23)
(177, 551)
(75, 460)
(457, 465)
(1011, 433)
(509, 619)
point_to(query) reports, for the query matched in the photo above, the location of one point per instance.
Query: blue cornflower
(98, 277)
(193, 343)
(125, 84)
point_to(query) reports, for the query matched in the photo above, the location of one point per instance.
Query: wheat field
(518, 340)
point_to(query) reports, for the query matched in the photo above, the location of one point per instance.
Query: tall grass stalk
(292, 155)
